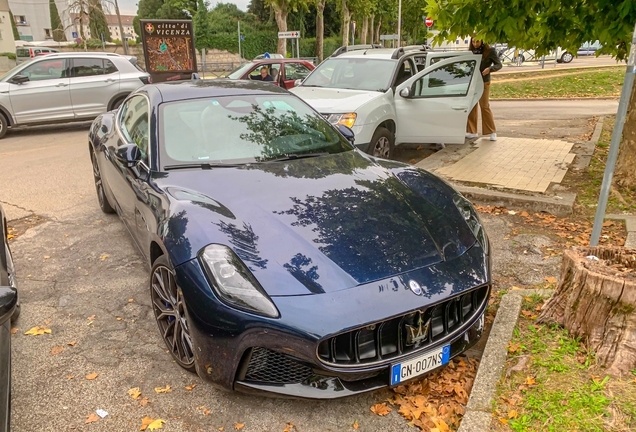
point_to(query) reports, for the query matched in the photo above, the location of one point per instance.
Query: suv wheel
(4, 125)
(382, 143)
(567, 57)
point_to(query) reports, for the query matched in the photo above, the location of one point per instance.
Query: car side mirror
(19, 79)
(298, 82)
(8, 301)
(347, 133)
(405, 92)
(128, 154)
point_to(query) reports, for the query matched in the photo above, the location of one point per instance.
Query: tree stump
(596, 300)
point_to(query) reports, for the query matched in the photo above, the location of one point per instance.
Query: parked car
(284, 72)
(9, 311)
(395, 96)
(65, 87)
(589, 48)
(26, 53)
(520, 55)
(282, 258)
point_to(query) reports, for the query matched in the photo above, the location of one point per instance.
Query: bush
(254, 44)
(8, 55)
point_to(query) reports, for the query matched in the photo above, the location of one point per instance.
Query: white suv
(395, 96)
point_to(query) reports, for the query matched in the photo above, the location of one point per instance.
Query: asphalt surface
(81, 276)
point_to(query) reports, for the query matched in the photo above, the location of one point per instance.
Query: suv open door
(432, 105)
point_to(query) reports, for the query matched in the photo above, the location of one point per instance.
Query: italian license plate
(419, 365)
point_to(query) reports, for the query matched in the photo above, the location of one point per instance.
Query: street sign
(242, 37)
(74, 35)
(289, 35)
(388, 37)
(168, 47)
(429, 22)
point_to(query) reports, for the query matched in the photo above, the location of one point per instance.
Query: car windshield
(240, 71)
(243, 129)
(352, 73)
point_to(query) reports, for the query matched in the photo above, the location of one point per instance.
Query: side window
(133, 121)
(109, 67)
(83, 67)
(45, 70)
(22, 52)
(404, 72)
(450, 80)
(294, 71)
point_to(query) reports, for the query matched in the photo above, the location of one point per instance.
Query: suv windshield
(352, 73)
(239, 71)
(243, 129)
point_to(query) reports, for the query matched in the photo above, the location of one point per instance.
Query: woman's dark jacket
(489, 59)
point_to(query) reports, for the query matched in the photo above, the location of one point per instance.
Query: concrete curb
(560, 207)
(630, 227)
(584, 155)
(479, 408)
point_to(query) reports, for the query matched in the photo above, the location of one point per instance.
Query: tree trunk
(371, 30)
(365, 30)
(346, 20)
(280, 14)
(626, 164)
(320, 29)
(377, 29)
(596, 300)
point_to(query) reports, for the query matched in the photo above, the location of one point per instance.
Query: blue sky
(129, 7)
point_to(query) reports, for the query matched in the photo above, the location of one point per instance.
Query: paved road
(578, 62)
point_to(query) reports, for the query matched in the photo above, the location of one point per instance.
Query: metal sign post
(239, 38)
(614, 144)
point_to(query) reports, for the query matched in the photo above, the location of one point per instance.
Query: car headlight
(469, 213)
(347, 119)
(234, 283)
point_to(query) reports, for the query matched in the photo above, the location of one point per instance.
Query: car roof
(195, 89)
(375, 53)
(85, 54)
(279, 60)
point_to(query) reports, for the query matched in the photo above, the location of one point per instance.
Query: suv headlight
(234, 283)
(347, 119)
(469, 213)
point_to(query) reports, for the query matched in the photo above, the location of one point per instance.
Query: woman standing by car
(489, 63)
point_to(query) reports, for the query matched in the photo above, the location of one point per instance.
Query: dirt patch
(412, 153)
(18, 227)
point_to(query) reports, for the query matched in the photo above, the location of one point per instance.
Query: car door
(433, 105)
(45, 96)
(127, 183)
(94, 81)
(436, 57)
(293, 72)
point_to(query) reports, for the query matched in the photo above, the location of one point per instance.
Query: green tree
(202, 29)
(56, 24)
(544, 25)
(97, 20)
(16, 35)
(158, 9)
(281, 11)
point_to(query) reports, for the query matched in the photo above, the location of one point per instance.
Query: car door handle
(109, 80)
(61, 85)
(459, 108)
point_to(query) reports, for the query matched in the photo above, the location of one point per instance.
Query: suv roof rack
(399, 52)
(344, 49)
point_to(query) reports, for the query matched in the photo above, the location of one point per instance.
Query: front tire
(4, 125)
(382, 143)
(169, 307)
(104, 204)
(567, 57)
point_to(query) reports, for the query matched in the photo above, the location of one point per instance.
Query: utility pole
(614, 144)
(239, 38)
(399, 41)
(121, 29)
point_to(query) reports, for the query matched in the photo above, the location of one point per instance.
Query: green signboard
(168, 49)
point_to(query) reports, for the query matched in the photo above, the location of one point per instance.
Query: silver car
(67, 87)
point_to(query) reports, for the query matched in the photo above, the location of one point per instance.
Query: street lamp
(399, 22)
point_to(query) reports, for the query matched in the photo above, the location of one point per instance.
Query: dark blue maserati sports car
(282, 258)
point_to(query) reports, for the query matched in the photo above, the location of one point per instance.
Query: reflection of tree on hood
(316, 168)
(176, 228)
(244, 242)
(299, 266)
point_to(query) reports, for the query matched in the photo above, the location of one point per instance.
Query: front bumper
(224, 338)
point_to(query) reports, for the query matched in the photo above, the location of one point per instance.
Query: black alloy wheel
(382, 143)
(4, 125)
(169, 308)
(99, 187)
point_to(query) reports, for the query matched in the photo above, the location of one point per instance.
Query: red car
(284, 72)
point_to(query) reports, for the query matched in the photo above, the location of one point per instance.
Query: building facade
(113, 27)
(6, 32)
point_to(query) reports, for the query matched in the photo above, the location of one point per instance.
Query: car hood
(315, 225)
(331, 101)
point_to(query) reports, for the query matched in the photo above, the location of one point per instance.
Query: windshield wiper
(204, 165)
(293, 156)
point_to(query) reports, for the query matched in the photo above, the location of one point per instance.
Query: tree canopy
(539, 24)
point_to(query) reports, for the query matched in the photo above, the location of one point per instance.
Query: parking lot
(81, 276)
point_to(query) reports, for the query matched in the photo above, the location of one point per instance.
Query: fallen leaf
(143, 401)
(166, 389)
(91, 318)
(503, 420)
(71, 343)
(206, 412)
(239, 426)
(14, 330)
(91, 418)
(526, 313)
(69, 377)
(91, 376)
(530, 380)
(56, 350)
(380, 409)
(46, 257)
(134, 392)
(38, 330)
(512, 414)
(157, 424)
(130, 300)
(608, 223)
(119, 318)
(103, 257)
(356, 425)
(524, 214)
(550, 279)
(190, 387)
(221, 428)
(145, 422)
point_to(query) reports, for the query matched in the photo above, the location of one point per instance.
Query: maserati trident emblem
(415, 287)
(419, 331)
